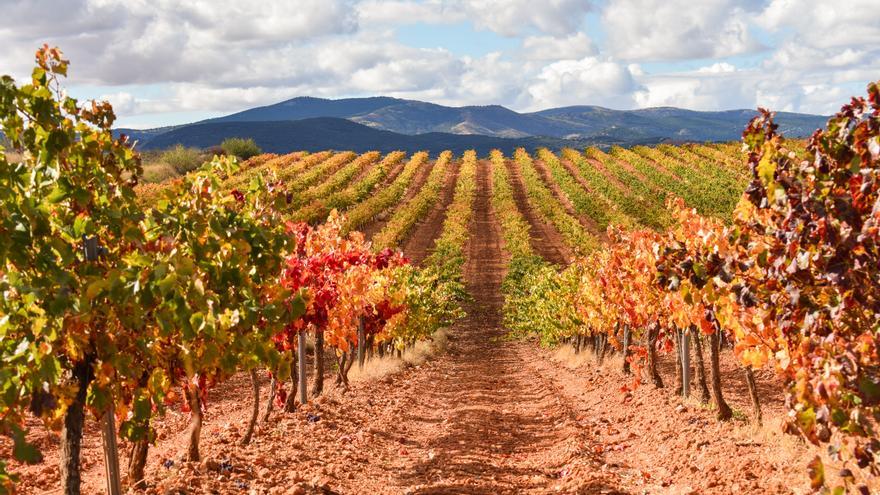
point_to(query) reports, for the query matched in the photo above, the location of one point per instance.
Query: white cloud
(141, 41)
(489, 79)
(396, 12)
(798, 55)
(590, 80)
(123, 103)
(711, 88)
(517, 17)
(825, 24)
(574, 46)
(717, 68)
(698, 90)
(824, 98)
(677, 29)
(505, 17)
(826, 50)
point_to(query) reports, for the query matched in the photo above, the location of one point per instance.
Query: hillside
(417, 117)
(430, 126)
(335, 133)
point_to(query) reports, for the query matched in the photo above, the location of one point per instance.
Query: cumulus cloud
(140, 41)
(505, 17)
(396, 12)
(677, 29)
(590, 80)
(799, 54)
(708, 88)
(825, 24)
(717, 68)
(515, 17)
(718, 87)
(123, 103)
(574, 46)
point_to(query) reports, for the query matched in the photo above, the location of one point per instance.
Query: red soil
(420, 242)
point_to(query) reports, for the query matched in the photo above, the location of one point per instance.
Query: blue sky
(462, 38)
(163, 62)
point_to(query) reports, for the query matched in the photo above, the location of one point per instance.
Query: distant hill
(674, 124)
(417, 117)
(335, 133)
(429, 122)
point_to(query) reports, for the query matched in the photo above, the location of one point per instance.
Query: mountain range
(384, 124)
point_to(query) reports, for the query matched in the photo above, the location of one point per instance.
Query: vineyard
(698, 318)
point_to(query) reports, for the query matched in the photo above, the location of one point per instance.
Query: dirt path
(415, 185)
(484, 419)
(545, 239)
(420, 242)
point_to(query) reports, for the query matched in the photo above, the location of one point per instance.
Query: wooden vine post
(301, 351)
(92, 252)
(111, 453)
(685, 364)
(362, 342)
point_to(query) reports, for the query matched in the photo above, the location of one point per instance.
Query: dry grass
(565, 355)
(12, 156)
(378, 368)
(792, 449)
(158, 172)
(154, 170)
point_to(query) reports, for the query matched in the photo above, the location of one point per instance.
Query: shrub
(182, 159)
(158, 172)
(243, 148)
(215, 150)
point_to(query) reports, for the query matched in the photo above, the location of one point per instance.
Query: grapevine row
(514, 228)
(679, 185)
(542, 200)
(629, 205)
(314, 175)
(405, 217)
(321, 205)
(293, 163)
(384, 199)
(586, 202)
(524, 267)
(648, 199)
(448, 256)
(336, 181)
(716, 188)
(728, 159)
(734, 175)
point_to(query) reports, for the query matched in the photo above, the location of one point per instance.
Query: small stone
(210, 465)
